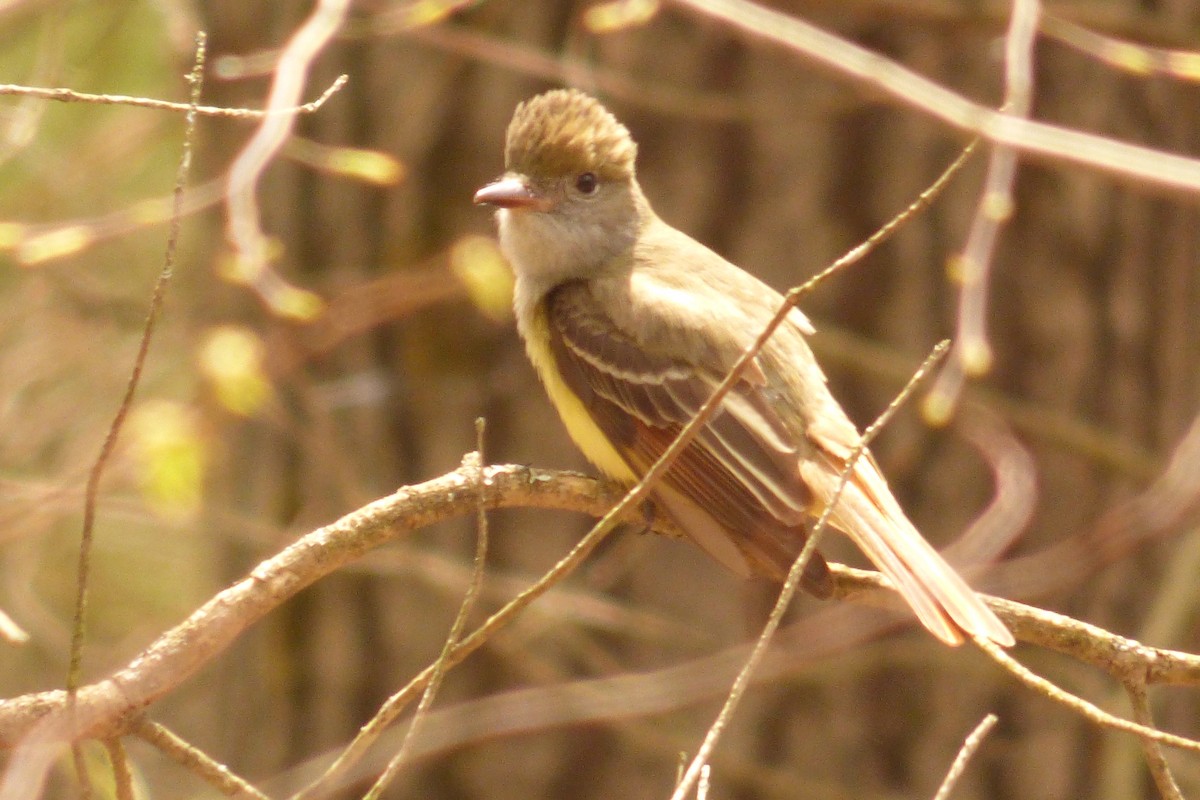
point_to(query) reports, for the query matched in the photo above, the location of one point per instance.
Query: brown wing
(736, 489)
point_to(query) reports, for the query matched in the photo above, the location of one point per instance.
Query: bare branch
(194, 760)
(1086, 709)
(1160, 770)
(1137, 59)
(243, 228)
(72, 96)
(110, 707)
(442, 665)
(106, 707)
(91, 494)
(972, 355)
(849, 60)
(970, 745)
(1116, 655)
(122, 772)
(156, 301)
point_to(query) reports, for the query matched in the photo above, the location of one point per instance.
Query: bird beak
(511, 192)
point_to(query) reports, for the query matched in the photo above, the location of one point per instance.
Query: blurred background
(251, 429)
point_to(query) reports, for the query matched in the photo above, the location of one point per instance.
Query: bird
(631, 324)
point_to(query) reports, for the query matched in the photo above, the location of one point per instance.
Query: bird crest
(565, 131)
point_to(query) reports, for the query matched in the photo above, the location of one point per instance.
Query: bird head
(568, 202)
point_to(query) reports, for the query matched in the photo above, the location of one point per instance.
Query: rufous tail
(869, 514)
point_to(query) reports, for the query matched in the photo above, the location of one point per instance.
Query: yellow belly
(582, 429)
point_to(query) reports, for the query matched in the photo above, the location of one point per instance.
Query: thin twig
(1156, 761)
(72, 96)
(476, 461)
(122, 772)
(195, 760)
(1084, 708)
(1132, 57)
(742, 682)
(704, 784)
(922, 202)
(972, 355)
(565, 566)
(856, 63)
(243, 224)
(1167, 618)
(83, 569)
(969, 746)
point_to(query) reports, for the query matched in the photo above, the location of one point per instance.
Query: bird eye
(586, 182)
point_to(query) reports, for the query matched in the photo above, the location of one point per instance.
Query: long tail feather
(938, 595)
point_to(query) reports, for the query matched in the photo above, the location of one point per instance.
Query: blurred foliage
(477, 262)
(231, 358)
(168, 451)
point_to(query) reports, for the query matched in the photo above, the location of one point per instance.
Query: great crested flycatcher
(631, 324)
